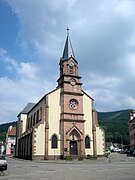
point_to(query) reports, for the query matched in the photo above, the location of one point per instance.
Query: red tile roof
(11, 131)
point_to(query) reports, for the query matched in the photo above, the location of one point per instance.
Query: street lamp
(121, 140)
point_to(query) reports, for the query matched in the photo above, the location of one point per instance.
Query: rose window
(73, 104)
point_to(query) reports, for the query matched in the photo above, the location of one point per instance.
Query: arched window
(54, 141)
(87, 142)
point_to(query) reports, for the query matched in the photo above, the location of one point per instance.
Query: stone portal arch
(74, 137)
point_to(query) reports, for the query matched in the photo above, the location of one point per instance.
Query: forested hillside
(115, 125)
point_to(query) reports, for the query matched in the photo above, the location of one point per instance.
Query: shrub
(67, 157)
(88, 156)
(61, 157)
(80, 158)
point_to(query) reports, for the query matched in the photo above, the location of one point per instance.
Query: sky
(32, 38)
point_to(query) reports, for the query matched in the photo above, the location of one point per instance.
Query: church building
(63, 122)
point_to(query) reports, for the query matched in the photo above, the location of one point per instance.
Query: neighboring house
(132, 129)
(10, 141)
(63, 122)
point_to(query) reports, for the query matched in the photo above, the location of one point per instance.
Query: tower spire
(68, 50)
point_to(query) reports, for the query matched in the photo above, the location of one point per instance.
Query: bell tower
(71, 101)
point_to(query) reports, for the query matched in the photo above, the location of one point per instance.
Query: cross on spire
(68, 31)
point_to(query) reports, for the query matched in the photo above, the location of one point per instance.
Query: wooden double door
(73, 148)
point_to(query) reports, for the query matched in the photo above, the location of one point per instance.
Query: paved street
(116, 167)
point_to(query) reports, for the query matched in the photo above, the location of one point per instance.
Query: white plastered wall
(87, 110)
(54, 120)
(100, 141)
(39, 131)
(24, 121)
(39, 139)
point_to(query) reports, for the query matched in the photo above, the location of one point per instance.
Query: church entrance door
(73, 148)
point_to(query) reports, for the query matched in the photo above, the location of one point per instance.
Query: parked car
(127, 151)
(3, 163)
(107, 152)
(133, 152)
(117, 150)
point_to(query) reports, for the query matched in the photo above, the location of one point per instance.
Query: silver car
(3, 163)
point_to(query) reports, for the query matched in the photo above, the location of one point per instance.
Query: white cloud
(38, 21)
(27, 86)
(130, 64)
(28, 70)
(2, 53)
(126, 8)
(103, 81)
(103, 40)
(15, 94)
(11, 64)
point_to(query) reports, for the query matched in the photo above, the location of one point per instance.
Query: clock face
(71, 63)
(72, 81)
